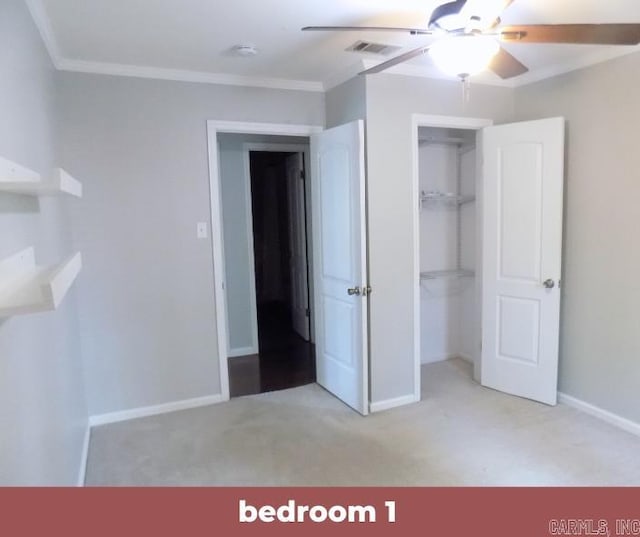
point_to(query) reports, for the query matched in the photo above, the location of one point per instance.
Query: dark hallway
(285, 358)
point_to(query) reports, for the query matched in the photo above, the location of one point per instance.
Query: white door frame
(272, 147)
(451, 122)
(217, 242)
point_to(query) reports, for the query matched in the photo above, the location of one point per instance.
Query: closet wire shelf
(446, 274)
(445, 198)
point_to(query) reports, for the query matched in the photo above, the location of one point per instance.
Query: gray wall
(600, 331)
(148, 322)
(391, 101)
(236, 235)
(43, 414)
(347, 102)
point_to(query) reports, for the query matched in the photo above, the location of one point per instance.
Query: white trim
(217, 246)
(154, 410)
(84, 457)
(180, 75)
(597, 412)
(217, 241)
(433, 73)
(275, 129)
(275, 147)
(479, 259)
(417, 121)
(387, 404)
(415, 207)
(435, 358)
(43, 24)
(599, 55)
(242, 351)
(552, 71)
(451, 122)
(248, 212)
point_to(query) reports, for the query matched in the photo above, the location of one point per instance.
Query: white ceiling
(191, 39)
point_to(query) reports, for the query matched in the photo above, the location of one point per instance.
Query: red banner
(441, 512)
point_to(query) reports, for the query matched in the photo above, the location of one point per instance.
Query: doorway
(448, 239)
(267, 262)
(447, 252)
(336, 236)
(285, 357)
(489, 294)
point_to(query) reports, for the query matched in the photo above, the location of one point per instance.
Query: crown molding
(432, 73)
(551, 71)
(43, 24)
(159, 73)
(596, 57)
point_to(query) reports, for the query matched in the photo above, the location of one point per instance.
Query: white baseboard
(84, 457)
(379, 406)
(442, 357)
(597, 412)
(437, 358)
(242, 351)
(142, 412)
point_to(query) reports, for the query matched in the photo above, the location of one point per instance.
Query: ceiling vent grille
(373, 48)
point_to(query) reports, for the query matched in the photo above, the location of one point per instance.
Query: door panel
(338, 192)
(520, 203)
(522, 237)
(298, 245)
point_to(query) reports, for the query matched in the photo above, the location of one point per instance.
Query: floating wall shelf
(17, 179)
(27, 288)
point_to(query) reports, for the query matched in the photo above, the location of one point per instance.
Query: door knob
(549, 283)
(353, 290)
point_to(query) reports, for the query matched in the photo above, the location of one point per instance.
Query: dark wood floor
(285, 360)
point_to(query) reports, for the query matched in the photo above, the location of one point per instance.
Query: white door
(339, 253)
(522, 240)
(298, 245)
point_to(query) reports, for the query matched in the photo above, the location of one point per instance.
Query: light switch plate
(202, 230)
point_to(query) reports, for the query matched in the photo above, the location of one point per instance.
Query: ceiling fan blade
(395, 61)
(412, 31)
(587, 34)
(505, 65)
(498, 20)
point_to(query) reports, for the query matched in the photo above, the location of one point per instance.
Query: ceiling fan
(471, 32)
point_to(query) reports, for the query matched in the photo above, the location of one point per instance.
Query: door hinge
(366, 290)
(302, 175)
(307, 312)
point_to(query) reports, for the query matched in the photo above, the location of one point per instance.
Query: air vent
(373, 48)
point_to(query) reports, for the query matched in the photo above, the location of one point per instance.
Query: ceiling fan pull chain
(466, 88)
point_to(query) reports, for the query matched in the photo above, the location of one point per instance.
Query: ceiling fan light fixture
(464, 55)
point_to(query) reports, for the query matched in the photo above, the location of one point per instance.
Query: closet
(447, 182)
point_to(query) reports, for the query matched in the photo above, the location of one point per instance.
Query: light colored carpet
(460, 434)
